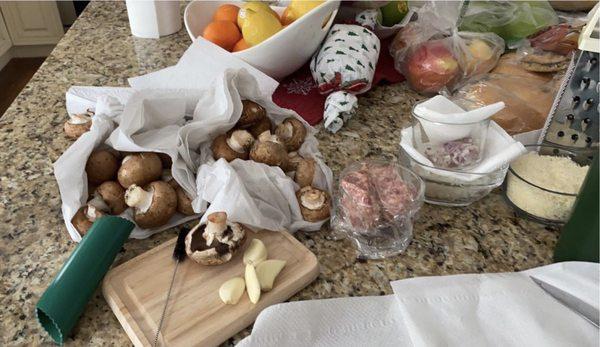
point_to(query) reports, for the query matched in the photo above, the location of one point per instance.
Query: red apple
(430, 67)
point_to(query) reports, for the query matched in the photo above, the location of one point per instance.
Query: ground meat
(454, 154)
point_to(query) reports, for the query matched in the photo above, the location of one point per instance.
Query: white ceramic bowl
(280, 54)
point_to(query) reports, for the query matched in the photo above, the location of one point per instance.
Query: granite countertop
(99, 51)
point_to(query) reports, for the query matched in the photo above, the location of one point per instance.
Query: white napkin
(500, 149)
(440, 109)
(463, 310)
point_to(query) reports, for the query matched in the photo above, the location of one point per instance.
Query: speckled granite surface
(99, 50)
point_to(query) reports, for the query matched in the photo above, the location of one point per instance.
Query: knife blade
(582, 308)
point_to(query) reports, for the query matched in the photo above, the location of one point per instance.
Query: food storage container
(375, 205)
(449, 145)
(449, 187)
(280, 54)
(532, 190)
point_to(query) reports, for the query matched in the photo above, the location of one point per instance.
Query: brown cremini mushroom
(154, 205)
(269, 150)
(167, 176)
(314, 204)
(166, 160)
(305, 172)
(139, 169)
(216, 242)
(260, 127)
(85, 217)
(184, 202)
(101, 166)
(233, 146)
(292, 133)
(252, 113)
(77, 125)
(113, 195)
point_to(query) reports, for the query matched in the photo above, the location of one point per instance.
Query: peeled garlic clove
(252, 284)
(231, 291)
(255, 253)
(267, 271)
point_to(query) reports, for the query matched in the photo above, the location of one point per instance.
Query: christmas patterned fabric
(339, 108)
(368, 18)
(346, 60)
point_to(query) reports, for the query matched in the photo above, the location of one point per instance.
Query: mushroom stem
(78, 119)
(266, 136)
(97, 203)
(92, 213)
(313, 199)
(216, 224)
(137, 197)
(240, 141)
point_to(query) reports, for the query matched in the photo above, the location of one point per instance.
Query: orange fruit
(226, 12)
(240, 46)
(222, 33)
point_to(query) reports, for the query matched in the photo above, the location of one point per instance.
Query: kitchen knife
(582, 308)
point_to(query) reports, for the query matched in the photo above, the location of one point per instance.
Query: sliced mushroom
(314, 204)
(252, 113)
(154, 205)
(216, 242)
(85, 217)
(77, 125)
(140, 169)
(184, 202)
(292, 132)
(113, 195)
(305, 172)
(101, 166)
(233, 146)
(269, 150)
(260, 127)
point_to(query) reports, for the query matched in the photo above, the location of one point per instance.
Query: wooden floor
(14, 76)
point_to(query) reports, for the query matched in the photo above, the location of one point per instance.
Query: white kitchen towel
(506, 309)
(444, 121)
(500, 149)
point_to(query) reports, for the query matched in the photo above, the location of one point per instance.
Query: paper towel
(153, 19)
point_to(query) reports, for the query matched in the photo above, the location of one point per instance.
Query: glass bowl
(448, 187)
(535, 201)
(375, 205)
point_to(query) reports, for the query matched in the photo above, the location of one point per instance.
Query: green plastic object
(579, 239)
(65, 299)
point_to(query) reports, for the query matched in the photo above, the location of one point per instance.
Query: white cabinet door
(5, 42)
(32, 22)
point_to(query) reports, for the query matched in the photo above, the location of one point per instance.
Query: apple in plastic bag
(431, 66)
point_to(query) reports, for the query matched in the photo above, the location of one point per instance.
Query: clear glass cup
(375, 205)
(449, 145)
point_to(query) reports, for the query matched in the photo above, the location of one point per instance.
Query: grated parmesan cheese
(554, 173)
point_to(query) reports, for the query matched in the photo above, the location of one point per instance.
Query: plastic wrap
(376, 202)
(434, 56)
(511, 20)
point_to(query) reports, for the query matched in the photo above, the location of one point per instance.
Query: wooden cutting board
(196, 316)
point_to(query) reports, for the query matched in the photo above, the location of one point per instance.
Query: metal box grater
(574, 118)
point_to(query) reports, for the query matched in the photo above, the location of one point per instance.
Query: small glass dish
(448, 187)
(536, 201)
(449, 145)
(375, 205)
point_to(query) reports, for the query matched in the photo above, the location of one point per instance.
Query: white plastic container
(280, 54)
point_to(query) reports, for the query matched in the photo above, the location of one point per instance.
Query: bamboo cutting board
(196, 316)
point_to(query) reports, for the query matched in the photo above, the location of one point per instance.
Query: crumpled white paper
(506, 309)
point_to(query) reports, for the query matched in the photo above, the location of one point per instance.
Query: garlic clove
(255, 253)
(252, 284)
(231, 290)
(267, 271)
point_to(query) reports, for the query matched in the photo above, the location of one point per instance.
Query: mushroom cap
(75, 130)
(227, 244)
(270, 153)
(165, 159)
(305, 172)
(311, 215)
(251, 114)
(260, 127)
(113, 195)
(221, 149)
(81, 222)
(140, 169)
(162, 208)
(101, 166)
(184, 203)
(294, 140)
